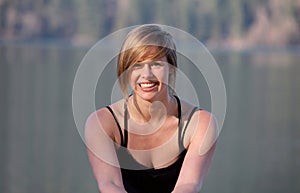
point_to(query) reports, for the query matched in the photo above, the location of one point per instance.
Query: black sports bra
(142, 179)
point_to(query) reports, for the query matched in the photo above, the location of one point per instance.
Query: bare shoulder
(206, 131)
(201, 129)
(100, 138)
(205, 118)
(202, 116)
(103, 120)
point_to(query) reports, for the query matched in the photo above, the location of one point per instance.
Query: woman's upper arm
(101, 151)
(200, 152)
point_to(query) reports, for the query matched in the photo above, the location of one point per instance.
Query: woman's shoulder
(206, 131)
(196, 114)
(104, 112)
(104, 118)
(200, 124)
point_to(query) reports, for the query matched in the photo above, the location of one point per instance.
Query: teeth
(147, 85)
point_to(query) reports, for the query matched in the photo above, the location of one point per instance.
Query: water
(41, 150)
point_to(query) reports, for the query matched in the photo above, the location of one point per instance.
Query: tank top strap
(178, 110)
(188, 121)
(118, 124)
(125, 125)
(180, 142)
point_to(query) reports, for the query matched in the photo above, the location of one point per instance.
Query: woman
(150, 141)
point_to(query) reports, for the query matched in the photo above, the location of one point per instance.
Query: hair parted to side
(137, 46)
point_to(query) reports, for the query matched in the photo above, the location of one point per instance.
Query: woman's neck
(143, 111)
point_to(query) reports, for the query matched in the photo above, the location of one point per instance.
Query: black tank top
(142, 179)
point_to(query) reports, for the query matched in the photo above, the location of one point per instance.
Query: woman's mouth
(148, 86)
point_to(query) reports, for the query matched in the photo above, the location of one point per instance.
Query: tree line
(216, 22)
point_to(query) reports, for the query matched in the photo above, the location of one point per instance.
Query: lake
(41, 150)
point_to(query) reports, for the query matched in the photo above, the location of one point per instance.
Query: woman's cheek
(133, 80)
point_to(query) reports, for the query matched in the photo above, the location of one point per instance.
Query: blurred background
(256, 44)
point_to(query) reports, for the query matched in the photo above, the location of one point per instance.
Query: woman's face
(149, 78)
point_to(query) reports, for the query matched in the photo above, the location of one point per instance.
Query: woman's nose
(146, 71)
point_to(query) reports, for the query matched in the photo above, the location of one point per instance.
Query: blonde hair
(137, 46)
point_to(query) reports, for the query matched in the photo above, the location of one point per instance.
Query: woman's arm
(101, 152)
(199, 155)
(108, 177)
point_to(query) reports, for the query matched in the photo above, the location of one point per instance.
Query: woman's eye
(137, 65)
(156, 64)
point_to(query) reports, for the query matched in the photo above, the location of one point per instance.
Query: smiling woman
(148, 78)
(150, 140)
